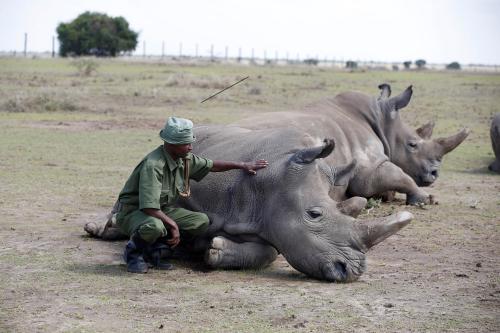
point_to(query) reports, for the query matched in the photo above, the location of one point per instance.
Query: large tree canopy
(96, 34)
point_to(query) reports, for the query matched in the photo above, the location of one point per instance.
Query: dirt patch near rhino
(441, 273)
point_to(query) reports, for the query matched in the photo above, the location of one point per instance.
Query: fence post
(25, 44)
(144, 49)
(180, 50)
(162, 49)
(196, 50)
(212, 52)
(53, 46)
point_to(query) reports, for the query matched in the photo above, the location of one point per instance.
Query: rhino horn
(425, 131)
(451, 142)
(401, 100)
(308, 155)
(385, 91)
(375, 231)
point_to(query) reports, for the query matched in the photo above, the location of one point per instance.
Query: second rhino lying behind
(389, 156)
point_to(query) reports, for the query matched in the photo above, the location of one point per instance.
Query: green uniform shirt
(158, 179)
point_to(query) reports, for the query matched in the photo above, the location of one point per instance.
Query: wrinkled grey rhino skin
(285, 208)
(495, 142)
(368, 130)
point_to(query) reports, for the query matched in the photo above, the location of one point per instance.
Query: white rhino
(495, 142)
(285, 208)
(389, 155)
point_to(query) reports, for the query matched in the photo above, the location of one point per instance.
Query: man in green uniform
(147, 212)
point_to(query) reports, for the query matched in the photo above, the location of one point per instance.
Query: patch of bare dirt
(439, 274)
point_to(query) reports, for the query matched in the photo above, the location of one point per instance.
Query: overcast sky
(439, 31)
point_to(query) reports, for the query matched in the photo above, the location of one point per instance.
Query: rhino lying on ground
(390, 156)
(495, 142)
(285, 208)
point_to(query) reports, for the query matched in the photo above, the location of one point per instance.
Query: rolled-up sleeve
(150, 183)
(199, 167)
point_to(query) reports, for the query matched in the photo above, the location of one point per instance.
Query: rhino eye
(314, 212)
(412, 145)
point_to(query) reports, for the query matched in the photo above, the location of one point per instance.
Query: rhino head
(309, 228)
(413, 150)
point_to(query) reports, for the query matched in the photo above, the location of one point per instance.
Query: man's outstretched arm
(250, 167)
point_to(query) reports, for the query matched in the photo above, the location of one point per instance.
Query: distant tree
(454, 66)
(351, 64)
(420, 63)
(96, 34)
(407, 64)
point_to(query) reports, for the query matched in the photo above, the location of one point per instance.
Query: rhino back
(235, 197)
(353, 135)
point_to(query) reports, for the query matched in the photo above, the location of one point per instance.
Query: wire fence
(222, 55)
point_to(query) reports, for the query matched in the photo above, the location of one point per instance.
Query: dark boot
(155, 252)
(133, 254)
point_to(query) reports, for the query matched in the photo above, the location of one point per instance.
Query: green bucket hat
(178, 131)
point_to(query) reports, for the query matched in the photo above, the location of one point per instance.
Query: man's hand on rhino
(252, 167)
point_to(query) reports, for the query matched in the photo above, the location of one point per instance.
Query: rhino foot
(495, 166)
(92, 229)
(352, 206)
(420, 199)
(224, 253)
(214, 255)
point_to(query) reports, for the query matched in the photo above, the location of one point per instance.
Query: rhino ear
(344, 173)
(400, 101)
(308, 155)
(425, 131)
(385, 91)
(451, 142)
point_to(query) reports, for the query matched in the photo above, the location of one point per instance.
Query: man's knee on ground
(152, 230)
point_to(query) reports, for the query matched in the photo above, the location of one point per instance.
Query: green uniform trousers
(131, 219)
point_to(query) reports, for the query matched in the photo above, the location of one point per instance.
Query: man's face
(179, 151)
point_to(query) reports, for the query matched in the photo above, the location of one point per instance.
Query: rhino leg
(106, 228)
(352, 206)
(388, 196)
(389, 177)
(224, 253)
(495, 166)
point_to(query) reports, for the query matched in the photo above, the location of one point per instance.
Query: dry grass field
(68, 141)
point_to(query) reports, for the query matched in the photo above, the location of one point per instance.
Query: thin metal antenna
(206, 99)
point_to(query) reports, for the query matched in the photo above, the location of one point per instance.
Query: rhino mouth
(428, 179)
(342, 271)
(425, 181)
